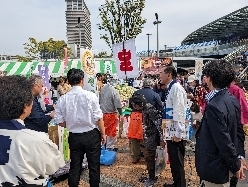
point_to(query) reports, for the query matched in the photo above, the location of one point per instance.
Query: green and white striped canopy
(25, 68)
(55, 68)
(102, 66)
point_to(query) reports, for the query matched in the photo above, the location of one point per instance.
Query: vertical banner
(44, 73)
(65, 58)
(198, 69)
(88, 66)
(125, 59)
(175, 65)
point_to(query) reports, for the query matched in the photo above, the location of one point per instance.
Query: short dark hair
(139, 100)
(34, 79)
(172, 70)
(98, 75)
(75, 76)
(15, 94)
(220, 72)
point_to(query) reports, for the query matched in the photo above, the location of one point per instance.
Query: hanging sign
(44, 73)
(88, 66)
(125, 59)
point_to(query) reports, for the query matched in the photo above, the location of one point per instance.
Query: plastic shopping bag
(161, 160)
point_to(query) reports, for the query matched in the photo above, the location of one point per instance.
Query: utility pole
(156, 23)
(148, 50)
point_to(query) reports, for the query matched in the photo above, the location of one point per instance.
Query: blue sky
(42, 19)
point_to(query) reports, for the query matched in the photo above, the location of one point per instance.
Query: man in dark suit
(151, 97)
(38, 120)
(218, 146)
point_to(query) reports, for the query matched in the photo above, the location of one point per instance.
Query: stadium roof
(233, 23)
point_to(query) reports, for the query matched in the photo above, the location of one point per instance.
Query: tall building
(77, 10)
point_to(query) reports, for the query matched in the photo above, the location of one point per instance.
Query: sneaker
(149, 182)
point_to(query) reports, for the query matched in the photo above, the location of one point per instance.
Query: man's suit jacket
(38, 120)
(217, 140)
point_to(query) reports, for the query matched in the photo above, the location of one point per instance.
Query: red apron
(135, 128)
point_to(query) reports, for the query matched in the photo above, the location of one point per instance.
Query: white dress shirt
(80, 110)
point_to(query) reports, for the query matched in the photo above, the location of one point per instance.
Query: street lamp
(148, 51)
(156, 23)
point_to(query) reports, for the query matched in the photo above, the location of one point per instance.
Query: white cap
(191, 78)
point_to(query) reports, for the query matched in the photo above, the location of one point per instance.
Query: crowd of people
(218, 107)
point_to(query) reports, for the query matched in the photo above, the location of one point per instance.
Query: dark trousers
(233, 181)
(176, 151)
(79, 144)
(150, 162)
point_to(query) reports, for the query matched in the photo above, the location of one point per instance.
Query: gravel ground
(125, 174)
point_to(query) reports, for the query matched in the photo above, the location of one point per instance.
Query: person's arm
(156, 118)
(158, 103)
(244, 106)
(97, 114)
(47, 158)
(241, 141)
(49, 108)
(59, 115)
(219, 132)
(38, 117)
(179, 107)
(117, 102)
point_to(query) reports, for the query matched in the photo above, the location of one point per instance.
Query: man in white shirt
(80, 113)
(175, 110)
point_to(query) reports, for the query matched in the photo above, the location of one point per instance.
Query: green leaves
(103, 54)
(44, 49)
(113, 13)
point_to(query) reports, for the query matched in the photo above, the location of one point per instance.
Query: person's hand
(104, 139)
(175, 139)
(162, 144)
(52, 114)
(54, 106)
(240, 174)
(190, 96)
(244, 163)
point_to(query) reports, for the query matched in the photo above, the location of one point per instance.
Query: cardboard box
(53, 134)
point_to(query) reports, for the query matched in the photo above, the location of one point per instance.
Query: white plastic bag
(125, 126)
(161, 160)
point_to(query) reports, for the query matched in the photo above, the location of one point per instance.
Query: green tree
(113, 13)
(103, 54)
(50, 49)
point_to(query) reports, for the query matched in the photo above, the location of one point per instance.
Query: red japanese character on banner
(125, 64)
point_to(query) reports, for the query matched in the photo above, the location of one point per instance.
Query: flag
(65, 58)
(44, 73)
(198, 69)
(125, 59)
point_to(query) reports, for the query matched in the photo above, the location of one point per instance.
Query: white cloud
(42, 19)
